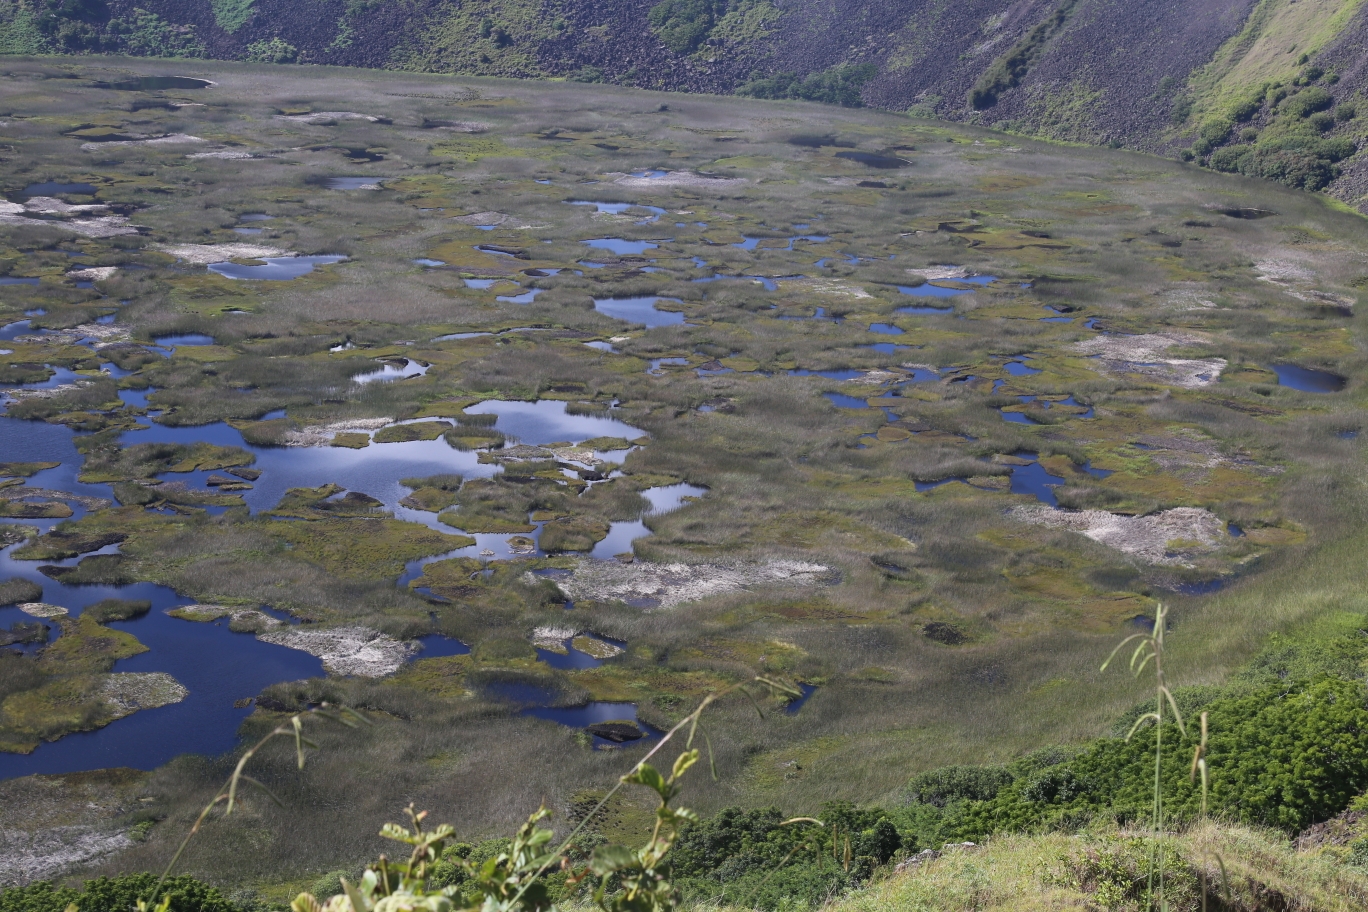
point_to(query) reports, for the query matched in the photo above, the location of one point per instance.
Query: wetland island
(483, 429)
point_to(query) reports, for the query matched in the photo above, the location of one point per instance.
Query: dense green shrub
(1299, 169)
(145, 34)
(1282, 755)
(839, 85)
(232, 15)
(683, 24)
(115, 894)
(752, 857)
(950, 784)
(1308, 101)
(1216, 131)
(274, 51)
(1229, 158)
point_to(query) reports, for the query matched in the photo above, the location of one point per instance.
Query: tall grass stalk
(227, 796)
(1149, 649)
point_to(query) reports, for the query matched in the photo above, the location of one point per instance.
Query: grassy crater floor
(1082, 413)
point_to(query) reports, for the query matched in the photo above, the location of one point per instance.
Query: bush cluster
(1291, 148)
(115, 894)
(839, 85)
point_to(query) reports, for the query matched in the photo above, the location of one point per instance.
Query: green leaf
(610, 858)
(649, 776)
(682, 764)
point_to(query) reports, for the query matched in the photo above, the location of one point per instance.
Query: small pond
(792, 707)
(931, 290)
(19, 280)
(1308, 380)
(55, 188)
(841, 400)
(640, 310)
(527, 297)
(621, 246)
(183, 339)
(752, 243)
(620, 208)
(155, 84)
(873, 160)
(573, 659)
(277, 269)
(391, 371)
(546, 421)
(664, 499)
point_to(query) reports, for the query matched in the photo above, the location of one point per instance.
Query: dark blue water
(582, 716)
(546, 421)
(184, 339)
(797, 703)
(19, 280)
(17, 328)
(639, 310)
(1308, 380)
(751, 243)
(527, 297)
(885, 348)
(872, 160)
(621, 246)
(841, 400)
(574, 659)
(54, 188)
(887, 329)
(657, 363)
(277, 269)
(620, 208)
(1019, 369)
(927, 290)
(1034, 480)
(158, 83)
(1201, 587)
(436, 646)
(1018, 417)
(217, 666)
(622, 534)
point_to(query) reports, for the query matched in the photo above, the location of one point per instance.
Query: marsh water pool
(276, 269)
(640, 310)
(221, 669)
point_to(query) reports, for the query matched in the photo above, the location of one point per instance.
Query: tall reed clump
(1149, 650)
